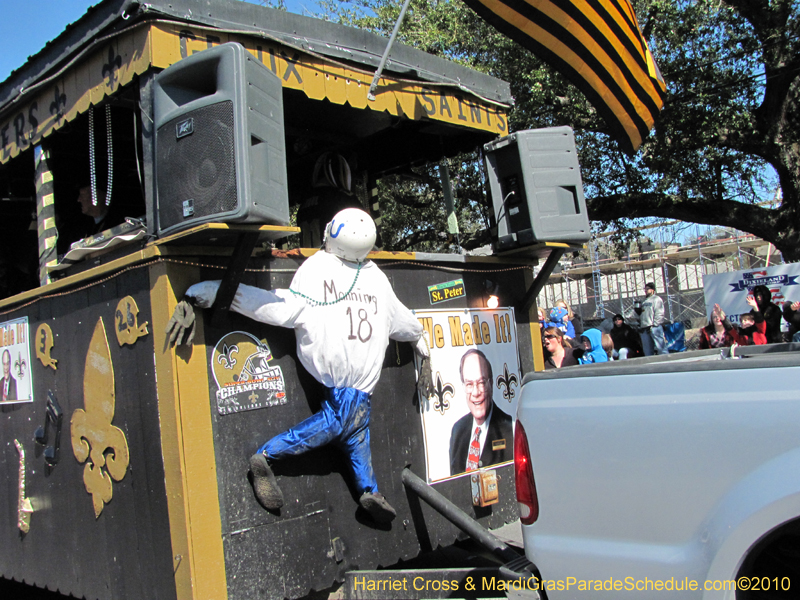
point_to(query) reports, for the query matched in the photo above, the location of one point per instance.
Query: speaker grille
(200, 167)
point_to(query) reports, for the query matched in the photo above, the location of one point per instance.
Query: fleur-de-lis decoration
(225, 357)
(20, 365)
(92, 433)
(58, 104)
(441, 390)
(110, 68)
(126, 316)
(506, 380)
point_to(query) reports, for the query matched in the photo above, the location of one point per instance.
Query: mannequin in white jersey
(344, 312)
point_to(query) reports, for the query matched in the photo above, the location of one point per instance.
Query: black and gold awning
(46, 105)
(598, 45)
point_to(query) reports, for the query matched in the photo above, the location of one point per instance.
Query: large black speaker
(535, 183)
(220, 149)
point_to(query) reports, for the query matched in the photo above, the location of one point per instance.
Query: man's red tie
(474, 451)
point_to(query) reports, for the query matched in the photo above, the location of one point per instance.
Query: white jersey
(342, 333)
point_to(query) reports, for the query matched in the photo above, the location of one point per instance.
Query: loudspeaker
(536, 188)
(220, 148)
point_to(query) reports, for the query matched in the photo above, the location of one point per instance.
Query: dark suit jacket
(12, 388)
(461, 437)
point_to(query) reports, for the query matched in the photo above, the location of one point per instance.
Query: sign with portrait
(468, 423)
(15, 385)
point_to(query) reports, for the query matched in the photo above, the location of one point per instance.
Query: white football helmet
(350, 235)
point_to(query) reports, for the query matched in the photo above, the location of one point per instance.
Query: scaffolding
(602, 286)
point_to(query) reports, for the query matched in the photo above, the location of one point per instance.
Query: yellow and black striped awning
(596, 44)
(47, 105)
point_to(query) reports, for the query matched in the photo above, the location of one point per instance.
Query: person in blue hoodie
(593, 344)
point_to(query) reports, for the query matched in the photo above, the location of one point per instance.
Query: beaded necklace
(318, 303)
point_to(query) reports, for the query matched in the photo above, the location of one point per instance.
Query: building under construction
(598, 284)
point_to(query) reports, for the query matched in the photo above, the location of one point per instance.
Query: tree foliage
(728, 136)
(414, 216)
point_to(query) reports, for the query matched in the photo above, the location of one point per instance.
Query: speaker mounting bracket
(245, 244)
(541, 278)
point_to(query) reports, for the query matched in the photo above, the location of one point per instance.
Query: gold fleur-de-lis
(441, 390)
(91, 430)
(506, 380)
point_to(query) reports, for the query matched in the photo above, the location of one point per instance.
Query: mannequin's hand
(180, 328)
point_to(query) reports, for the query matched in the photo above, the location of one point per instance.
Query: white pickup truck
(664, 477)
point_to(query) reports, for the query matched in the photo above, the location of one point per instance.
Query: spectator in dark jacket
(771, 312)
(627, 343)
(558, 353)
(791, 312)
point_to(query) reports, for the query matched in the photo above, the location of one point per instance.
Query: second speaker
(220, 149)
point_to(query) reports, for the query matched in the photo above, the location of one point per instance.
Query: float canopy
(426, 107)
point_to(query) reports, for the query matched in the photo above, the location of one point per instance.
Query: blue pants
(342, 421)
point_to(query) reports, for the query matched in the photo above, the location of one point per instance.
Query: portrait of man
(9, 391)
(484, 436)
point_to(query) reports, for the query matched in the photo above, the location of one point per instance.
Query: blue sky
(27, 25)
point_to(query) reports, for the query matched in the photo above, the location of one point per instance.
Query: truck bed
(663, 468)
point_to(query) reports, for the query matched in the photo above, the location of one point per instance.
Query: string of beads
(339, 299)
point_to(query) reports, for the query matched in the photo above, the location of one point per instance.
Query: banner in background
(730, 290)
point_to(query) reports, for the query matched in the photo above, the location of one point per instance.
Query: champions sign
(245, 380)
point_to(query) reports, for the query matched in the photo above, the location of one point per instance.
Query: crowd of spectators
(566, 343)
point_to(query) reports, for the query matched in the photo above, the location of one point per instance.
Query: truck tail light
(523, 469)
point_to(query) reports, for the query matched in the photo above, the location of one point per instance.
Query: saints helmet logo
(240, 357)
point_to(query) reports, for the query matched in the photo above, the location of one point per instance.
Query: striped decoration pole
(374, 209)
(45, 214)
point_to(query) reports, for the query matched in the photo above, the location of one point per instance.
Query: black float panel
(126, 551)
(321, 533)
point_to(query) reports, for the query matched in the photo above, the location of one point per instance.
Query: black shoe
(377, 506)
(268, 493)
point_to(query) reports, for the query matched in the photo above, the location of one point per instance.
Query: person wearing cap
(559, 317)
(344, 312)
(575, 322)
(651, 320)
(627, 343)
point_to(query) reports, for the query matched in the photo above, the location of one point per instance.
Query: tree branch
(409, 241)
(747, 217)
